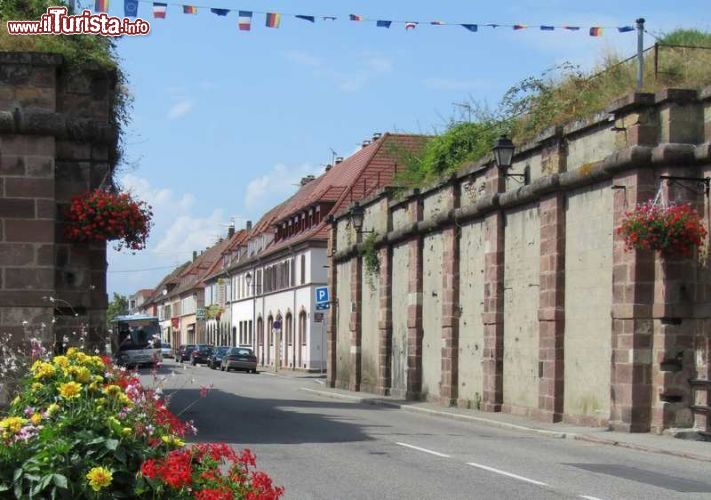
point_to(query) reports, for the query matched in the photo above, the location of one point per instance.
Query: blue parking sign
(322, 295)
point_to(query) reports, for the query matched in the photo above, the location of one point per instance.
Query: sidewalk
(652, 443)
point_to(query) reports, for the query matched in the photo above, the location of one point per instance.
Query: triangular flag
(519, 26)
(572, 28)
(383, 24)
(595, 31)
(355, 17)
(471, 27)
(437, 23)
(311, 19)
(547, 28)
(410, 26)
(493, 25)
(328, 18)
(625, 29)
(159, 10)
(220, 12)
(189, 9)
(245, 20)
(130, 8)
(273, 19)
(101, 5)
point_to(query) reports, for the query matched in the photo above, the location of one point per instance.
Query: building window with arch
(303, 269)
(302, 327)
(289, 329)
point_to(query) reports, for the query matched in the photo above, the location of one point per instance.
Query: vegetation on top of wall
(78, 51)
(558, 96)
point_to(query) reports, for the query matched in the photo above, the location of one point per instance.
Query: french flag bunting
(355, 17)
(410, 26)
(159, 10)
(245, 20)
(383, 24)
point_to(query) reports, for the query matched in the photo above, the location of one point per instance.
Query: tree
(117, 307)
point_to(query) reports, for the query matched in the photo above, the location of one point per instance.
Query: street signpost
(323, 303)
(200, 313)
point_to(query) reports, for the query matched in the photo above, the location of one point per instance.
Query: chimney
(230, 230)
(376, 136)
(194, 255)
(366, 143)
(249, 225)
(328, 167)
(339, 159)
(307, 179)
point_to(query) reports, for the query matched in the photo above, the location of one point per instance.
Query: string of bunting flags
(273, 19)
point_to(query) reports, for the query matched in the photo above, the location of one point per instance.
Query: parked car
(184, 352)
(201, 354)
(165, 350)
(239, 358)
(217, 354)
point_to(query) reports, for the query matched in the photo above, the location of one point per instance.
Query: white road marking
(590, 498)
(436, 453)
(509, 474)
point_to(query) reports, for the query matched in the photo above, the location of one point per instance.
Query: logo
(57, 21)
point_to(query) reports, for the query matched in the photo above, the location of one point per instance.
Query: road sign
(318, 317)
(322, 295)
(323, 307)
(276, 325)
(200, 313)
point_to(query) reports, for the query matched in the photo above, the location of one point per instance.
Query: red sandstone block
(29, 231)
(21, 187)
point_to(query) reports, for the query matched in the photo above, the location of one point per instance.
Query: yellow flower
(42, 369)
(97, 362)
(98, 378)
(52, 409)
(173, 441)
(125, 400)
(112, 390)
(72, 351)
(99, 478)
(61, 361)
(15, 401)
(114, 422)
(36, 419)
(80, 374)
(70, 390)
(12, 425)
(126, 431)
(80, 357)
(36, 386)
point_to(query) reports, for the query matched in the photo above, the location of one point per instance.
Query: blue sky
(225, 122)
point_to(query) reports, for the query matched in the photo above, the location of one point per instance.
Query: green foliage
(117, 307)
(691, 37)
(371, 262)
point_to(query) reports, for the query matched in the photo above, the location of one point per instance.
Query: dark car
(217, 354)
(239, 358)
(201, 354)
(184, 352)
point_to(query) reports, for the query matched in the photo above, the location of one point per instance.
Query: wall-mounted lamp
(357, 216)
(503, 156)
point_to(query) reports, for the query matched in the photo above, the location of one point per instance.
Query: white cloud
(180, 108)
(178, 230)
(275, 186)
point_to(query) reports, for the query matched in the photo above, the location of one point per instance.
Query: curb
(506, 425)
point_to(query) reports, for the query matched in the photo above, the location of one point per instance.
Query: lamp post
(503, 157)
(357, 217)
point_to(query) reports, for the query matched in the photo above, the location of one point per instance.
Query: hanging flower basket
(214, 311)
(672, 230)
(103, 216)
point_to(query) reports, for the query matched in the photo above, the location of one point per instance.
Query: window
(250, 333)
(302, 327)
(289, 330)
(303, 269)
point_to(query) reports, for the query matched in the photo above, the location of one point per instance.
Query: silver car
(239, 358)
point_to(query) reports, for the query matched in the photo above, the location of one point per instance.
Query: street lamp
(503, 156)
(248, 279)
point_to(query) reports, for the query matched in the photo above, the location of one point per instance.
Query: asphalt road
(320, 448)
